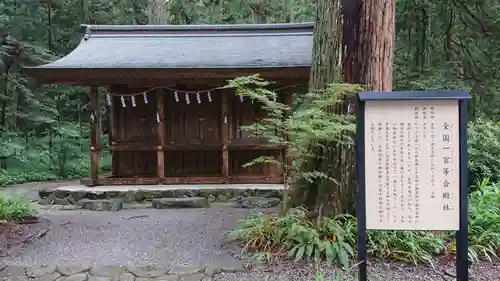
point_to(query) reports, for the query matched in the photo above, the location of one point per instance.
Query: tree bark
(157, 12)
(374, 48)
(326, 66)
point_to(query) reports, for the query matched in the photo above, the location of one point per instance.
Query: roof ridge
(188, 35)
(283, 27)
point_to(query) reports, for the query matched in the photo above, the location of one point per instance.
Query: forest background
(44, 130)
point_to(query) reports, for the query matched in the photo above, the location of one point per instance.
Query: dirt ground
(14, 236)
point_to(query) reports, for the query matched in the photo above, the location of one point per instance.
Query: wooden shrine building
(169, 122)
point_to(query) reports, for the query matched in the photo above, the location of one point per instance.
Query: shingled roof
(190, 46)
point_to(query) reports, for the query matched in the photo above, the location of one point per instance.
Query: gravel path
(165, 237)
(157, 236)
(377, 271)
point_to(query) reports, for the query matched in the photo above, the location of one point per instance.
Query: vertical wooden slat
(94, 133)
(160, 157)
(225, 133)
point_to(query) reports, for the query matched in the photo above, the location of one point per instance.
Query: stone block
(76, 277)
(61, 193)
(61, 201)
(107, 270)
(78, 195)
(125, 277)
(73, 269)
(129, 196)
(49, 200)
(99, 278)
(11, 271)
(167, 278)
(192, 193)
(45, 192)
(51, 277)
(40, 270)
(222, 198)
(96, 195)
(258, 202)
(151, 194)
(211, 198)
(101, 204)
(188, 202)
(148, 271)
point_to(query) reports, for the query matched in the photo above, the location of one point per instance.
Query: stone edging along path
(194, 196)
(115, 273)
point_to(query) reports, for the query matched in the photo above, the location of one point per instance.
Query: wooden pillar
(112, 134)
(288, 158)
(160, 153)
(94, 133)
(225, 133)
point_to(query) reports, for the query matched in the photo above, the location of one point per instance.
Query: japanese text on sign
(412, 165)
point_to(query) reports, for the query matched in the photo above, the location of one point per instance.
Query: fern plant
(294, 236)
(299, 132)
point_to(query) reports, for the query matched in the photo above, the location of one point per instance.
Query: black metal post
(462, 262)
(361, 194)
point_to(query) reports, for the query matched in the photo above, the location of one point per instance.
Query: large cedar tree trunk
(373, 52)
(326, 68)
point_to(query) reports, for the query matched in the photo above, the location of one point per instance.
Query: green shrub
(484, 151)
(15, 207)
(296, 236)
(406, 246)
(484, 221)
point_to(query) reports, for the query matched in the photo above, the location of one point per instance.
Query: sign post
(411, 155)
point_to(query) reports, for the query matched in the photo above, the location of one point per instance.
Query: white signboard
(412, 164)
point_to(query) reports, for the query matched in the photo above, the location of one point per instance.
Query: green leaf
(300, 253)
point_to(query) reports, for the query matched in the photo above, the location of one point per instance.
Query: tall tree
(157, 12)
(366, 30)
(326, 68)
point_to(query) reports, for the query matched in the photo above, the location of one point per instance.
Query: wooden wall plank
(193, 163)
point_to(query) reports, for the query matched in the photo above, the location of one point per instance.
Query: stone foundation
(113, 198)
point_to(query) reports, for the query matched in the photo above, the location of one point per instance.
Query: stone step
(79, 195)
(188, 202)
(180, 272)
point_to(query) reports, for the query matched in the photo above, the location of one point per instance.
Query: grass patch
(16, 207)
